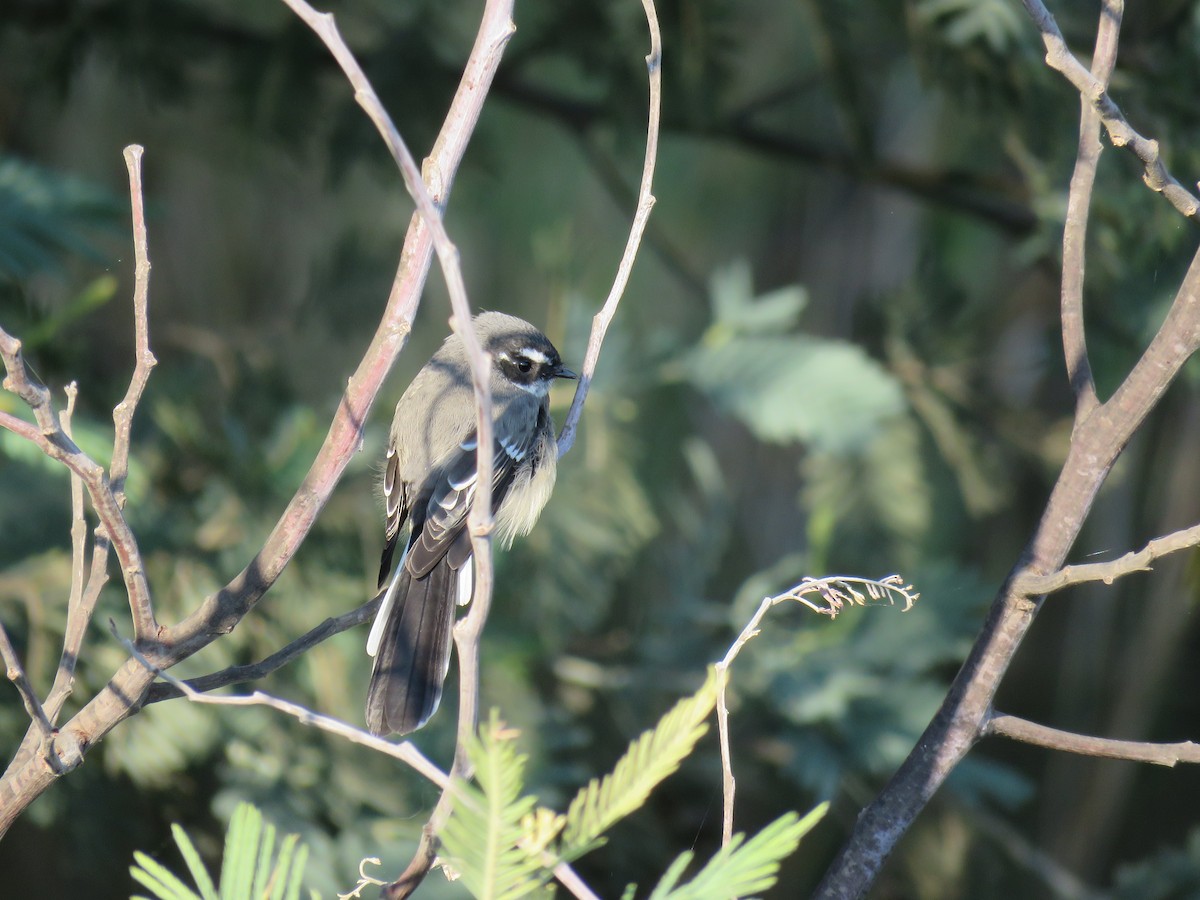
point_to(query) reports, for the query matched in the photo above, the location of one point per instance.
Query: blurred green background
(839, 353)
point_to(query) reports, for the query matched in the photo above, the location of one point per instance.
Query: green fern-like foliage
(741, 867)
(251, 869)
(651, 758)
(493, 838)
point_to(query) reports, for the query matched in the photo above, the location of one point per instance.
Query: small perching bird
(429, 480)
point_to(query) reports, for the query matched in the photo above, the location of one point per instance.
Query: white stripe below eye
(539, 388)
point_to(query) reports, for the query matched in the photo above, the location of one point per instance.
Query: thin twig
(1079, 198)
(1085, 745)
(78, 615)
(141, 607)
(600, 322)
(51, 440)
(405, 752)
(144, 359)
(16, 674)
(1120, 132)
(1033, 585)
(278, 659)
(835, 592)
(107, 493)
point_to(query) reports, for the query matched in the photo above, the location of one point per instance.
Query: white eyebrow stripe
(533, 354)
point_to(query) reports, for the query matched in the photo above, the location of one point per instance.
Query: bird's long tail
(411, 645)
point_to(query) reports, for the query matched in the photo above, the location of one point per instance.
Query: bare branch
(278, 659)
(569, 879)
(144, 359)
(16, 674)
(52, 441)
(1120, 132)
(495, 30)
(1079, 198)
(1034, 585)
(1085, 745)
(835, 593)
(78, 615)
(645, 204)
(405, 752)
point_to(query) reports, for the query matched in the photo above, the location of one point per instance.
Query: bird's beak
(563, 372)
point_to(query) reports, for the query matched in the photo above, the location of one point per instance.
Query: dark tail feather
(411, 662)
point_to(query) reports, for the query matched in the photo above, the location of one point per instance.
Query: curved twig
(600, 322)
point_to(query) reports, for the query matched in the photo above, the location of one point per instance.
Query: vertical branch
(140, 605)
(728, 783)
(642, 215)
(144, 360)
(494, 33)
(1079, 370)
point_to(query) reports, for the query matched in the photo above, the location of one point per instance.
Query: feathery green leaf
(249, 871)
(486, 838)
(650, 759)
(195, 864)
(741, 867)
(160, 880)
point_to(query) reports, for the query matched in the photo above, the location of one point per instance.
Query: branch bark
(1094, 91)
(1108, 572)
(1085, 745)
(1079, 198)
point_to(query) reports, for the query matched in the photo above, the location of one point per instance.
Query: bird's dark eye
(524, 364)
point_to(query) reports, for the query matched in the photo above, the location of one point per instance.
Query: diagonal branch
(406, 752)
(1096, 444)
(1085, 745)
(16, 674)
(53, 442)
(278, 659)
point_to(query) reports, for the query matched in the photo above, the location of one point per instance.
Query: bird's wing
(443, 533)
(396, 502)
